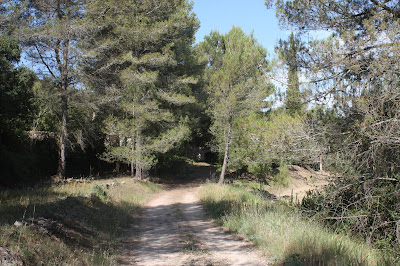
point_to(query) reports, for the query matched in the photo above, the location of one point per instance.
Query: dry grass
(282, 233)
(74, 224)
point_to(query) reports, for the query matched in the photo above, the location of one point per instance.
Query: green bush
(366, 208)
(98, 193)
(281, 179)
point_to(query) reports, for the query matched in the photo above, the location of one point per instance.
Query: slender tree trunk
(62, 164)
(132, 159)
(144, 173)
(139, 156)
(63, 47)
(117, 166)
(132, 169)
(227, 144)
(134, 145)
(320, 162)
(138, 171)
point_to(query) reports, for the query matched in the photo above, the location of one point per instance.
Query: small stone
(18, 224)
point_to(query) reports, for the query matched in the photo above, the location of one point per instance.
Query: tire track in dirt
(173, 230)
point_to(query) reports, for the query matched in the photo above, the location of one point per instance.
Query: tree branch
(44, 62)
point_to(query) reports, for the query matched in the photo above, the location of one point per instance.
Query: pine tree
(288, 52)
(236, 83)
(143, 51)
(356, 68)
(49, 31)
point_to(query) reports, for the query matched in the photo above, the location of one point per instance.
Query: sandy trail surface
(173, 230)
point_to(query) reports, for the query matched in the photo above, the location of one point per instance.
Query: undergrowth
(281, 179)
(282, 233)
(70, 224)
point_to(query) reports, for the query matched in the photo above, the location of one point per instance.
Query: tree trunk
(62, 164)
(117, 167)
(138, 171)
(227, 144)
(139, 155)
(133, 159)
(320, 163)
(144, 173)
(132, 169)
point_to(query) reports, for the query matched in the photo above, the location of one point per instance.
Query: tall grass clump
(70, 224)
(282, 233)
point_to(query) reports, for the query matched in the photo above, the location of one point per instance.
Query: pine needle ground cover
(281, 232)
(70, 224)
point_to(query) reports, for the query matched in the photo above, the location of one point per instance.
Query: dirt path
(173, 230)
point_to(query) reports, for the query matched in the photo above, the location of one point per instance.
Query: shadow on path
(173, 230)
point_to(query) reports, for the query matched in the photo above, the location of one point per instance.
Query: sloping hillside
(301, 180)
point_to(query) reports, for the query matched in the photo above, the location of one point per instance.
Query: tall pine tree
(236, 84)
(49, 31)
(288, 52)
(142, 50)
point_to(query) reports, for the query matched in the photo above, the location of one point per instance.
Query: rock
(9, 258)
(18, 224)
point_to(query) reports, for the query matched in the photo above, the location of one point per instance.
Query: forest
(100, 88)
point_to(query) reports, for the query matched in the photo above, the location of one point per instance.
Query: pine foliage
(142, 50)
(237, 84)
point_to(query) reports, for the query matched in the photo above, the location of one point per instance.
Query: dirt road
(174, 230)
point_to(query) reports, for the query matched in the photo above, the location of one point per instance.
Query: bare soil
(301, 181)
(174, 230)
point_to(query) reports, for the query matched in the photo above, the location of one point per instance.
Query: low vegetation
(74, 223)
(279, 229)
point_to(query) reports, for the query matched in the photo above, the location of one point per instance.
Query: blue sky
(250, 15)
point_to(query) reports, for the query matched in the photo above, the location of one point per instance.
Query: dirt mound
(301, 181)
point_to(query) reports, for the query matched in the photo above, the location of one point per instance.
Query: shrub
(281, 179)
